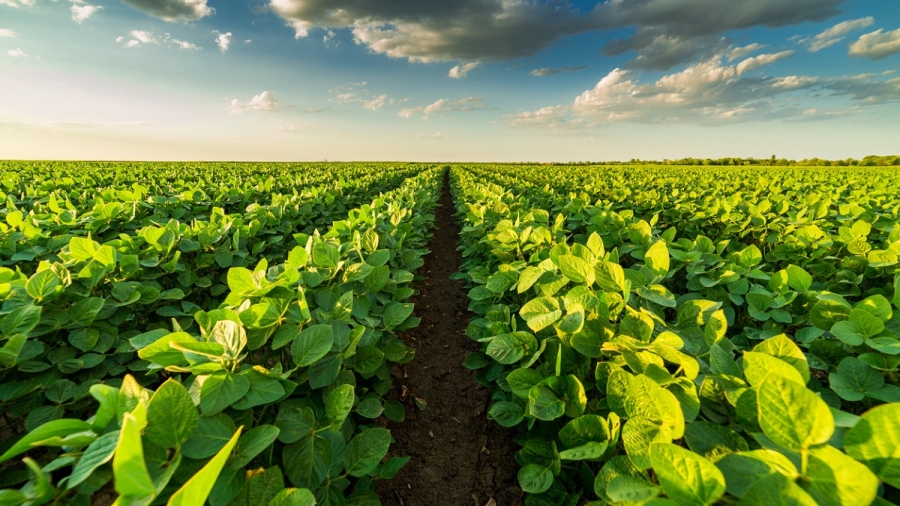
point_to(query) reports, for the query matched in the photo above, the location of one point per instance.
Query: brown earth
(459, 457)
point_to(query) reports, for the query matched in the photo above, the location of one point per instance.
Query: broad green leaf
(325, 255)
(396, 313)
(686, 477)
(826, 313)
(613, 468)
(534, 478)
(20, 320)
(196, 490)
(631, 489)
(834, 479)
(783, 348)
(759, 366)
(540, 313)
(339, 404)
(171, 415)
(576, 269)
(776, 490)
(875, 441)
(293, 497)
(312, 344)
(220, 390)
(657, 259)
(713, 441)
(131, 476)
(854, 379)
(366, 450)
(742, 470)
(42, 284)
(793, 416)
(507, 414)
(98, 453)
(638, 434)
(860, 326)
(798, 278)
(252, 443)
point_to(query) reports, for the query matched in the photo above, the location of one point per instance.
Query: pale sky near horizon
(452, 80)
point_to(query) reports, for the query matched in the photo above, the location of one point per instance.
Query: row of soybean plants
(277, 382)
(642, 366)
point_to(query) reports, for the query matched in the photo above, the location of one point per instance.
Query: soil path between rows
(458, 456)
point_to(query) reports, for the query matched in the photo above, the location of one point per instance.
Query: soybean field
(359, 334)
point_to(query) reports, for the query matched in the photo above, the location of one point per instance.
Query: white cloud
(173, 10)
(444, 105)
(264, 102)
(223, 40)
(5, 32)
(16, 53)
(740, 52)
(82, 12)
(16, 3)
(376, 103)
(462, 71)
(711, 92)
(837, 33)
(247, 41)
(876, 45)
(183, 44)
(138, 38)
(761, 60)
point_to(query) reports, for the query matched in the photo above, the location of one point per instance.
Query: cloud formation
(740, 52)
(445, 105)
(761, 61)
(876, 45)
(547, 71)
(711, 91)
(173, 10)
(6, 32)
(837, 33)
(462, 71)
(223, 40)
(16, 53)
(264, 102)
(82, 12)
(376, 103)
(138, 38)
(17, 3)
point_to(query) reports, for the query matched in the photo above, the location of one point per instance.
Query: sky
(448, 80)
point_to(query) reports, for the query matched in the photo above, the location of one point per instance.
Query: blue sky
(454, 80)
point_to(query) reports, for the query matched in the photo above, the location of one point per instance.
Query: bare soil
(459, 457)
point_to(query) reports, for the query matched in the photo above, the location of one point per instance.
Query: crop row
(123, 380)
(720, 347)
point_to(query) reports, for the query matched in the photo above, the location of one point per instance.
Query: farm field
(404, 334)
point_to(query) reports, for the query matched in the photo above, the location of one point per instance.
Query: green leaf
(776, 490)
(759, 366)
(392, 466)
(325, 255)
(638, 434)
(312, 344)
(540, 313)
(196, 490)
(576, 269)
(798, 278)
(878, 306)
(220, 390)
(131, 476)
(783, 348)
(834, 479)
(589, 451)
(854, 379)
(534, 478)
(507, 414)
(61, 428)
(826, 313)
(861, 326)
(293, 497)
(368, 359)
(742, 470)
(793, 416)
(252, 443)
(339, 404)
(366, 450)
(713, 441)
(20, 320)
(631, 489)
(171, 415)
(686, 477)
(657, 260)
(98, 453)
(42, 284)
(396, 313)
(241, 281)
(370, 407)
(875, 441)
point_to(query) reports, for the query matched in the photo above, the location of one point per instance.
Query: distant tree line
(869, 161)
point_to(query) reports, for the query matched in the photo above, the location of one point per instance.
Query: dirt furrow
(459, 457)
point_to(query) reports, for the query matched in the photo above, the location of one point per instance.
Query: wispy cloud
(876, 45)
(836, 33)
(445, 105)
(761, 61)
(740, 52)
(547, 71)
(138, 38)
(462, 71)
(6, 32)
(264, 102)
(16, 53)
